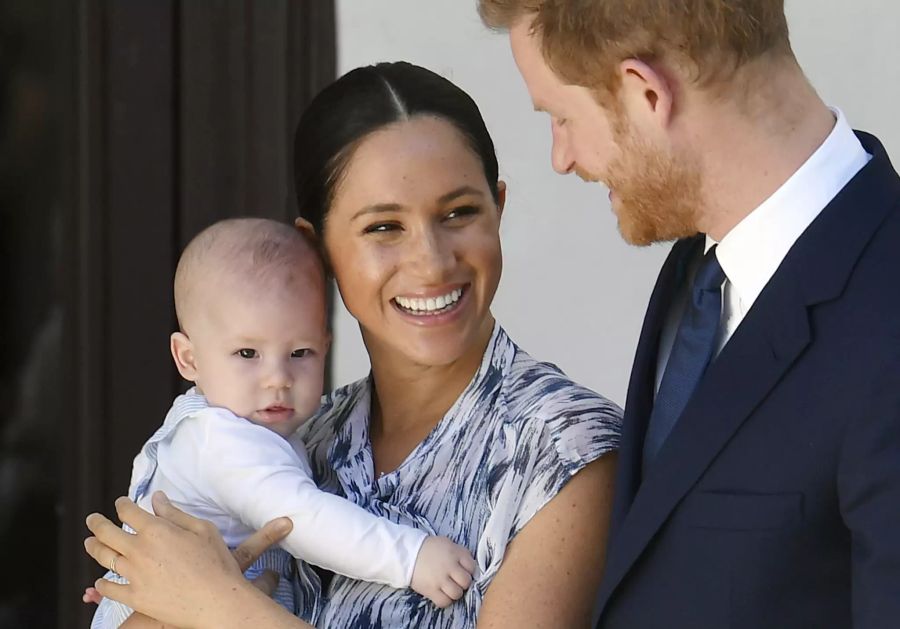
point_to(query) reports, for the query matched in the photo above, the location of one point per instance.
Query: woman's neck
(409, 396)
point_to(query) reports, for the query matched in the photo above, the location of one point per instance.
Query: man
(759, 475)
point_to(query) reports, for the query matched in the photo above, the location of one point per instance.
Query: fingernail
(284, 525)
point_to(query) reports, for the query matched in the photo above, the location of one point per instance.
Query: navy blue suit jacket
(775, 501)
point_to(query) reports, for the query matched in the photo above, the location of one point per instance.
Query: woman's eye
(381, 228)
(461, 212)
(300, 353)
(247, 353)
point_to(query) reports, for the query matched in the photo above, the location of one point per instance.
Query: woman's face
(413, 240)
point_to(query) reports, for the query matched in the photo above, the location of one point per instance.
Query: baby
(250, 300)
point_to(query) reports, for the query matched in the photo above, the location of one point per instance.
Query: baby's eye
(247, 353)
(300, 353)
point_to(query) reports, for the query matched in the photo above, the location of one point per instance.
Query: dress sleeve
(256, 475)
(564, 434)
(547, 439)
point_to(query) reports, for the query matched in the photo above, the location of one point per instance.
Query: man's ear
(501, 196)
(646, 94)
(183, 353)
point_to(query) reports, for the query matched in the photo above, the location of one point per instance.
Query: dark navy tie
(691, 353)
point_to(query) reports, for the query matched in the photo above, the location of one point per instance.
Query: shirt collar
(754, 249)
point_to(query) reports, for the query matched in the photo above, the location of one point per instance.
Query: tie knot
(710, 275)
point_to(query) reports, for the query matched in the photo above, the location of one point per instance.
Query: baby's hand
(91, 595)
(443, 571)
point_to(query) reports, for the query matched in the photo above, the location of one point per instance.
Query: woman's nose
(434, 254)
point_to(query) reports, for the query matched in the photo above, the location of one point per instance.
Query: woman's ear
(501, 196)
(183, 353)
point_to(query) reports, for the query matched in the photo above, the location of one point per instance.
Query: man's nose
(560, 154)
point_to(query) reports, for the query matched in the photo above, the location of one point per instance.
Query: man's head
(627, 84)
(584, 41)
(250, 300)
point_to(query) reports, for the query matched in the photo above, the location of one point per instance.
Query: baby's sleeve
(256, 475)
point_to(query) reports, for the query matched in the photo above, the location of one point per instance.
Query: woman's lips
(434, 306)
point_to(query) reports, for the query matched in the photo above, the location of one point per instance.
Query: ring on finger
(112, 564)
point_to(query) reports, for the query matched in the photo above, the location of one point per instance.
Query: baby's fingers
(468, 563)
(461, 577)
(452, 590)
(91, 595)
(441, 600)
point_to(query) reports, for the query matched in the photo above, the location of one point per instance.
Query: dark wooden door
(154, 118)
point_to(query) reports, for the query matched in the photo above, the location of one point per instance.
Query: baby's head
(250, 300)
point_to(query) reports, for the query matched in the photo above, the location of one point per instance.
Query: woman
(456, 430)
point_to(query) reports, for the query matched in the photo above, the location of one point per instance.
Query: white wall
(572, 292)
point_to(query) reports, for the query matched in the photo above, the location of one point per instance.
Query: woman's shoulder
(552, 429)
(565, 424)
(540, 390)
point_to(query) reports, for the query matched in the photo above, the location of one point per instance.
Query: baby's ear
(183, 354)
(306, 228)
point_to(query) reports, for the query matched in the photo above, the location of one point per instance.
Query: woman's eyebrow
(461, 191)
(376, 208)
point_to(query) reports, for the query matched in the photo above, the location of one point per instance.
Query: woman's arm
(551, 571)
(139, 621)
(180, 571)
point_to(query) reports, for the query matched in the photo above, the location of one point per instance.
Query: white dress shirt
(752, 251)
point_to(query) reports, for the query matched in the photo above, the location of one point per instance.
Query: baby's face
(261, 355)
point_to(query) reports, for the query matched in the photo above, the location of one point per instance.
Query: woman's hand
(178, 567)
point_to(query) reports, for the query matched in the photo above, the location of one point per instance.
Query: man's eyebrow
(539, 108)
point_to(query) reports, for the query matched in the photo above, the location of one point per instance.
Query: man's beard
(657, 195)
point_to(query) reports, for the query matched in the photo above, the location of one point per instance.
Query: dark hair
(363, 101)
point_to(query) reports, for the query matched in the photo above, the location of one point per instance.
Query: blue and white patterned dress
(512, 440)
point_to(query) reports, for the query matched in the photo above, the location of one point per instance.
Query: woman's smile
(434, 307)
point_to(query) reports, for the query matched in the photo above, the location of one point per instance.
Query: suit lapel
(714, 413)
(639, 400)
(769, 340)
